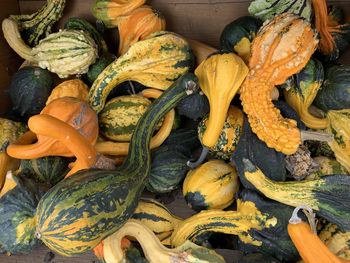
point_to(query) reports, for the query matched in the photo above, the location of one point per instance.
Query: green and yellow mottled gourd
(79, 212)
(65, 53)
(327, 166)
(337, 241)
(155, 62)
(281, 48)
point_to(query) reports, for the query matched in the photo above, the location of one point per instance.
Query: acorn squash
(70, 88)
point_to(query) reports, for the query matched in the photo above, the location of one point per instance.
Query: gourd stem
(200, 160)
(295, 219)
(316, 136)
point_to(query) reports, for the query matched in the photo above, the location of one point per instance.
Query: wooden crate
(202, 20)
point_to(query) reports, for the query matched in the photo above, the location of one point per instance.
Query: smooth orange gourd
(138, 25)
(70, 88)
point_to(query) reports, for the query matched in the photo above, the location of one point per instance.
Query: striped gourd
(154, 62)
(79, 212)
(65, 53)
(36, 26)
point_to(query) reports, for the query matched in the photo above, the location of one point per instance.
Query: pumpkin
(155, 62)
(29, 89)
(304, 90)
(113, 193)
(326, 195)
(238, 36)
(65, 53)
(111, 12)
(212, 185)
(138, 25)
(38, 25)
(290, 42)
(334, 94)
(70, 88)
(195, 106)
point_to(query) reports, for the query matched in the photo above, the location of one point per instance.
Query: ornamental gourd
(113, 193)
(155, 62)
(138, 25)
(281, 49)
(65, 53)
(70, 88)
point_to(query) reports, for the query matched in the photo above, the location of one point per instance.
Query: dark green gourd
(80, 211)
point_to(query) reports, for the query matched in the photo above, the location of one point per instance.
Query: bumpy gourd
(70, 88)
(65, 53)
(38, 25)
(155, 62)
(138, 25)
(281, 48)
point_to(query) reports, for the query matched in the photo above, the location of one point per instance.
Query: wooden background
(197, 19)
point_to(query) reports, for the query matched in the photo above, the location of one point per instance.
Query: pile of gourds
(249, 132)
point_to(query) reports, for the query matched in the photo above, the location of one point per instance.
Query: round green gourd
(335, 91)
(29, 89)
(169, 167)
(101, 63)
(194, 106)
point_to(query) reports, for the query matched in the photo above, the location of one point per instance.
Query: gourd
(152, 248)
(339, 126)
(303, 91)
(282, 48)
(112, 12)
(168, 169)
(200, 50)
(334, 94)
(212, 185)
(326, 195)
(29, 89)
(229, 136)
(95, 69)
(155, 62)
(258, 258)
(220, 77)
(138, 25)
(38, 25)
(113, 193)
(261, 226)
(309, 245)
(336, 240)
(195, 106)
(65, 53)
(267, 10)
(326, 166)
(70, 88)
(17, 216)
(238, 36)
(120, 148)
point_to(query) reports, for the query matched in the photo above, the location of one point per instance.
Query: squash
(168, 169)
(238, 35)
(9, 184)
(155, 62)
(257, 258)
(212, 185)
(326, 166)
(339, 126)
(336, 240)
(152, 248)
(200, 50)
(334, 94)
(38, 25)
(327, 195)
(138, 25)
(68, 210)
(95, 69)
(70, 88)
(229, 136)
(309, 245)
(111, 12)
(17, 216)
(318, 148)
(267, 10)
(304, 90)
(259, 223)
(72, 111)
(282, 48)
(65, 53)
(29, 89)
(195, 106)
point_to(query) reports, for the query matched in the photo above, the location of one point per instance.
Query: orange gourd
(70, 88)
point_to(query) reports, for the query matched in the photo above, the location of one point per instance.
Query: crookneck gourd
(302, 91)
(281, 49)
(260, 225)
(327, 195)
(138, 25)
(154, 62)
(65, 53)
(38, 25)
(95, 203)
